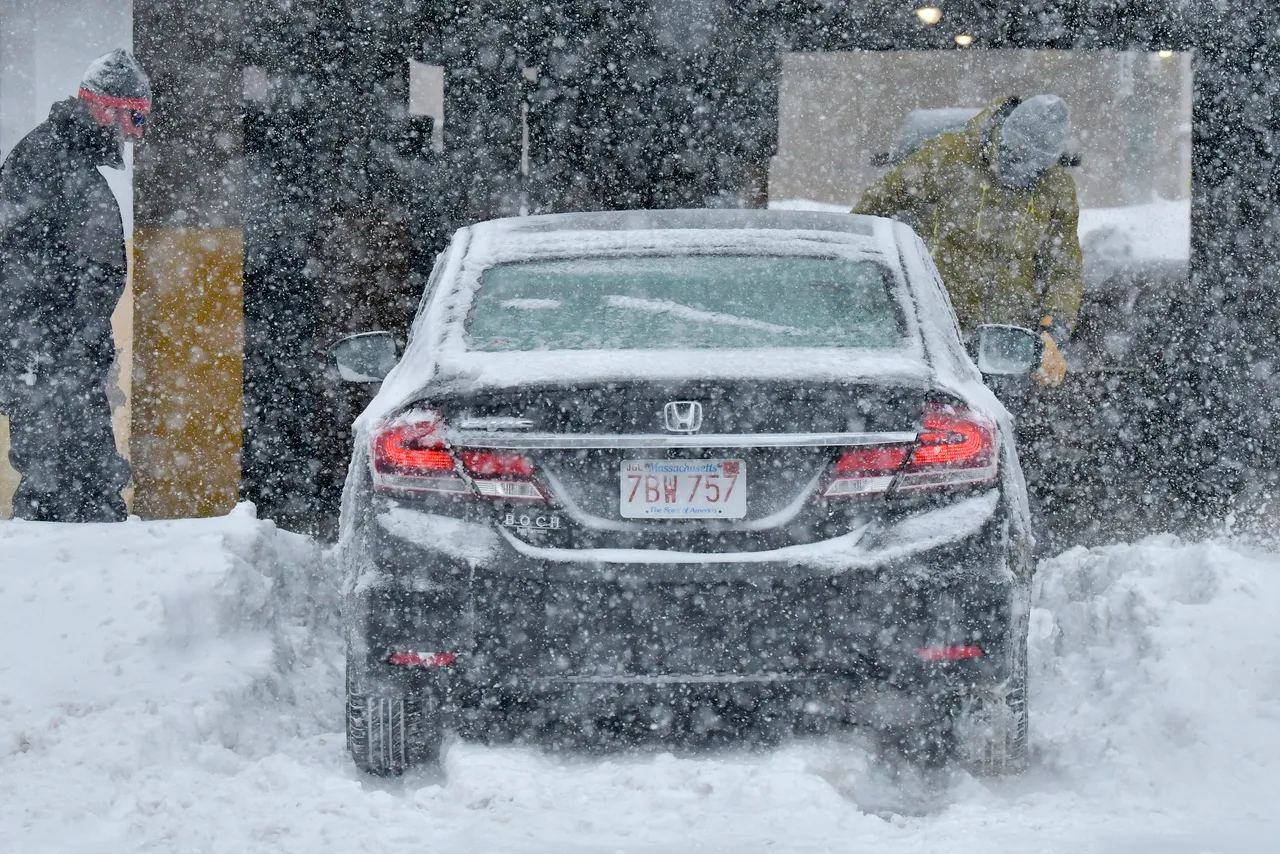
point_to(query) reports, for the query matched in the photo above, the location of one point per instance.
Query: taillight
(412, 454)
(867, 471)
(409, 658)
(496, 464)
(949, 653)
(956, 447)
(496, 474)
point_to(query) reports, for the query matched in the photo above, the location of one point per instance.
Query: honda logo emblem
(682, 416)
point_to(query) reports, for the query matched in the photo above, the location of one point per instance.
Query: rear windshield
(691, 301)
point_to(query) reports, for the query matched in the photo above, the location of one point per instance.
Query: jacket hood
(1045, 116)
(85, 138)
(1032, 140)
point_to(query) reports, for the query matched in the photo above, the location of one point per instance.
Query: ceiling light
(964, 39)
(1166, 54)
(929, 15)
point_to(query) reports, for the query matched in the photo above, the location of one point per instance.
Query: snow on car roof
(659, 220)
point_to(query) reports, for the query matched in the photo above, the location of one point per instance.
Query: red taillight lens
(412, 448)
(422, 659)
(955, 447)
(866, 471)
(412, 455)
(949, 653)
(496, 464)
(498, 474)
(954, 437)
(882, 459)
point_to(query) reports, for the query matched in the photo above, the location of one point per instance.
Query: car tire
(390, 730)
(992, 728)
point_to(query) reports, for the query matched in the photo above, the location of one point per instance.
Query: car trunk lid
(781, 438)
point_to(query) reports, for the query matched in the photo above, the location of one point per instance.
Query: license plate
(683, 489)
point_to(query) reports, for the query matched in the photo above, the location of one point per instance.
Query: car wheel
(389, 729)
(991, 730)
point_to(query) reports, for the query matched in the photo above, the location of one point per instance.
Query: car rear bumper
(597, 632)
(647, 708)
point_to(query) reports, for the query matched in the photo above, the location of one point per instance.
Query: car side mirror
(365, 358)
(1005, 350)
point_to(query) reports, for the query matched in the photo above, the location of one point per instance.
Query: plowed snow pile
(176, 686)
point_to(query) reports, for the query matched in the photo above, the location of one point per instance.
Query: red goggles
(138, 107)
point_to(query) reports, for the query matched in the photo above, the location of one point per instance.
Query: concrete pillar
(342, 199)
(189, 262)
(1228, 405)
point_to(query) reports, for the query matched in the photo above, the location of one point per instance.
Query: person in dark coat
(62, 271)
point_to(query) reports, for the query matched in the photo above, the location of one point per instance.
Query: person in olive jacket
(997, 208)
(62, 271)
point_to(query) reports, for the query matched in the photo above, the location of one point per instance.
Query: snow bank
(176, 686)
(136, 658)
(1156, 669)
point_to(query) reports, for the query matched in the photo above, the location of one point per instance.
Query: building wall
(45, 46)
(1131, 115)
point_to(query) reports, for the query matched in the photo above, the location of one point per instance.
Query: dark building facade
(342, 202)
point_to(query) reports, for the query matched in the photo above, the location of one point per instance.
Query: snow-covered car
(922, 125)
(669, 472)
(919, 127)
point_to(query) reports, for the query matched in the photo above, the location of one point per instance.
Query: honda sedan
(661, 473)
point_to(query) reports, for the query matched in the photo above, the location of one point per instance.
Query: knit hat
(117, 80)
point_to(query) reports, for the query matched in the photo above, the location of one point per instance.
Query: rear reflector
(422, 659)
(949, 653)
(522, 489)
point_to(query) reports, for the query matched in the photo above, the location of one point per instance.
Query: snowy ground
(175, 686)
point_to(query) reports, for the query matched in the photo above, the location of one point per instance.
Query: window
(682, 302)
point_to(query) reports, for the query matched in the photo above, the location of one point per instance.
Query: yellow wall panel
(188, 334)
(8, 477)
